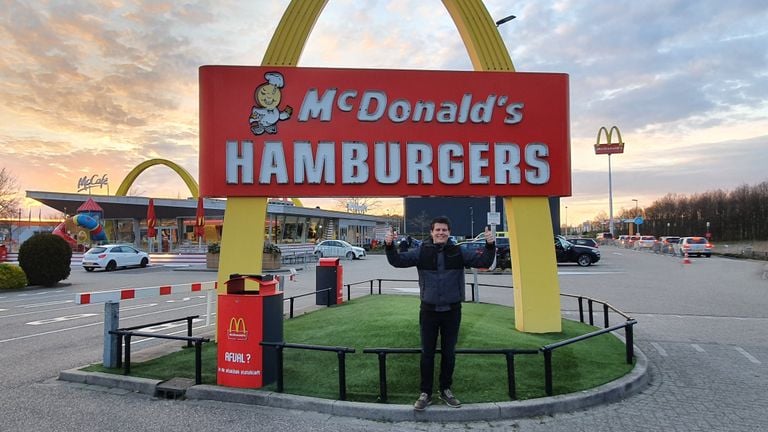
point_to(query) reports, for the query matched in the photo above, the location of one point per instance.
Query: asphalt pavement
(701, 327)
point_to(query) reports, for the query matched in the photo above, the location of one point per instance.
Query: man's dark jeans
(446, 324)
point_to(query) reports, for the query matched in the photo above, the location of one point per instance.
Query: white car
(338, 248)
(644, 242)
(111, 257)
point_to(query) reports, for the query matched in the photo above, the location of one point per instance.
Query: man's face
(440, 233)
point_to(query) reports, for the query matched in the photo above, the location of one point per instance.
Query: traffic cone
(686, 260)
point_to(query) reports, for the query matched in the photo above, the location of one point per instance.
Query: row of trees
(737, 215)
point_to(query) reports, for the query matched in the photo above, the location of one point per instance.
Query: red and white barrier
(137, 293)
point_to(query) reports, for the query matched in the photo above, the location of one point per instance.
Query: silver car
(338, 248)
(694, 246)
(112, 257)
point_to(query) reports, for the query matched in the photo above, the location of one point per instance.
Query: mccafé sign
(286, 131)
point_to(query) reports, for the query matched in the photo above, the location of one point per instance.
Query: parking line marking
(697, 347)
(658, 348)
(749, 356)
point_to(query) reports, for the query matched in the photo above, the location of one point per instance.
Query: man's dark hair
(442, 220)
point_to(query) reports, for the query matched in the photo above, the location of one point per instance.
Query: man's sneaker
(449, 399)
(422, 402)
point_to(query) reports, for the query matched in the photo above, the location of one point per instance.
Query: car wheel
(319, 254)
(111, 266)
(584, 260)
(144, 262)
(350, 255)
(88, 269)
(708, 255)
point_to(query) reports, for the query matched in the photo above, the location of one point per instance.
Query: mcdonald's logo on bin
(237, 330)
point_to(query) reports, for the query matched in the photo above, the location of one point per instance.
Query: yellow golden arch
(609, 135)
(534, 269)
(127, 182)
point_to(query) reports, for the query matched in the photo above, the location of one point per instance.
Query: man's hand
(489, 236)
(388, 237)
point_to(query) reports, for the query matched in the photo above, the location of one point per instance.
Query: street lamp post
(566, 220)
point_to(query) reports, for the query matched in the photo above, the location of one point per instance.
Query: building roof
(90, 206)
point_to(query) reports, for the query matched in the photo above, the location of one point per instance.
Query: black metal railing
(341, 352)
(509, 354)
(125, 334)
(375, 286)
(292, 300)
(548, 349)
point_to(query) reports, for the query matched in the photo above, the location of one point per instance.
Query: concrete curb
(622, 388)
(134, 384)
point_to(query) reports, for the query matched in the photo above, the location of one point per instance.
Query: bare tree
(422, 220)
(9, 202)
(358, 205)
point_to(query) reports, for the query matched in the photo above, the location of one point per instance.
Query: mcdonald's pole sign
(609, 147)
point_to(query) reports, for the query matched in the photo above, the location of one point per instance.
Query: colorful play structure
(88, 219)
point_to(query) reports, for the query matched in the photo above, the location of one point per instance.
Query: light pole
(637, 227)
(566, 220)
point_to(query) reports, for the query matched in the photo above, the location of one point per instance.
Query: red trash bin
(329, 274)
(250, 312)
(3, 253)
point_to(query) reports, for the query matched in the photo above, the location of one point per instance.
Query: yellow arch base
(537, 301)
(534, 267)
(184, 174)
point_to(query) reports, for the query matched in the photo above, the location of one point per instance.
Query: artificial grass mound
(391, 321)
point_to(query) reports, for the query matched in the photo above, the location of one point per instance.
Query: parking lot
(700, 324)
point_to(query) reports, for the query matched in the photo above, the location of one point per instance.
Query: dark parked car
(584, 241)
(503, 260)
(567, 252)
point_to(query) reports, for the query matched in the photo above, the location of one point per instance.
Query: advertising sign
(240, 360)
(311, 132)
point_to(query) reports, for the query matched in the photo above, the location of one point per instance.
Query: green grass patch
(391, 321)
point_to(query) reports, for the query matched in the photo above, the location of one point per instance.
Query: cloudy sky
(97, 87)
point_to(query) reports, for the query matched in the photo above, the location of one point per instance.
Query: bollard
(111, 355)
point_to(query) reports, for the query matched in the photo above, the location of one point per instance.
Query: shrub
(46, 259)
(12, 277)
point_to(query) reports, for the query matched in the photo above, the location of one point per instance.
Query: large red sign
(308, 132)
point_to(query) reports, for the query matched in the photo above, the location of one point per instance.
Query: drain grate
(174, 388)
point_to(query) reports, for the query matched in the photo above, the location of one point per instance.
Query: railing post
(591, 317)
(511, 374)
(328, 297)
(548, 372)
(127, 365)
(290, 314)
(342, 375)
(382, 376)
(349, 292)
(630, 336)
(372, 286)
(605, 315)
(581, 309)
(279, 351)
(189, 331)
(119, 354)
(379, 286)
(198, 362)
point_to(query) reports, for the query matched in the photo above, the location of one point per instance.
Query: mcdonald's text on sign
(609, 148)
(287, 131)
